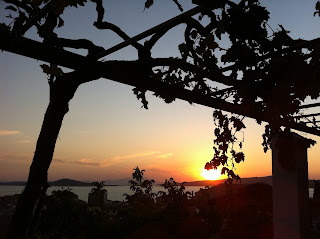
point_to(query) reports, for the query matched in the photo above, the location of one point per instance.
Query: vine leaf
(141, 95)
(317, 9)
(60, 22)
(48, 70)
(12, 8)
(148, 4)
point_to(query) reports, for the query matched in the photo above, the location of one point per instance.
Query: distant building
(97, 198)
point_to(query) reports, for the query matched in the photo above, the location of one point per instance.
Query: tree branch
(80, 44)
(102, 25)
(117, 30)
(155, 37)
(168, 24)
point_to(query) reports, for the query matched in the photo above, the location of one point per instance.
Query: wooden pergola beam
(317, 121)
(309, 106)
(305, 116)
(113, 70)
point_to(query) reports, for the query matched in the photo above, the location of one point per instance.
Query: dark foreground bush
(224, 211)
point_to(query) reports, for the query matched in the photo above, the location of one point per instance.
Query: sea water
(115, 193)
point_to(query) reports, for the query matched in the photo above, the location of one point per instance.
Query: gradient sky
(106, 132)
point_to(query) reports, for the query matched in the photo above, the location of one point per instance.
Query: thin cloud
(84, 161)
(158, 169)
(164, 156)
(119, 159)
(88, 162)
(137, 155)
(111, 161)
(24, 141)
(14, 157)
(9, 132)
(58, 160)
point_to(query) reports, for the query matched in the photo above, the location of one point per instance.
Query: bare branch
(117, 30)
(170, 23)
(100, 10)
(102, 25)
(153, 40)
(80, 44)
(178, 4)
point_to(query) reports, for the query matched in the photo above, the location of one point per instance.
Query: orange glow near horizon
(211, 174)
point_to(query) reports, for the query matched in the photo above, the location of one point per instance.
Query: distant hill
(124, 181)
(13, 183)
(61, 182)
(267, 180)
(68, 182)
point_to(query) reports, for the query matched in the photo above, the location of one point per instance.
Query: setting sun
(211, 174)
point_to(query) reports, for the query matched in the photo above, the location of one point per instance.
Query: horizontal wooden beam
(129, 72)
(309, 106)
(305, 116)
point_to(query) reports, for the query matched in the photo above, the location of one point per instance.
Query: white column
(290, 186)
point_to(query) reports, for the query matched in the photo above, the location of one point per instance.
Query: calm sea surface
(114, 192)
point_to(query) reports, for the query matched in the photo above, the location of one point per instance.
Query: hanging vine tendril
(225, 142)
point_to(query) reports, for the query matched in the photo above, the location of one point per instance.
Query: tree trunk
(61, 92)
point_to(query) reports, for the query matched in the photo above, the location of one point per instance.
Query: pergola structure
(90, 66)
(25, 47)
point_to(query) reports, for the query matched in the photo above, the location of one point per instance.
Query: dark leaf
(238, 157)
(317, 9)
(224, 170)
(208, 166)
(148, 4)
(60, 22)
(12, 8)
(4, 27)
(193, 34)
(141, 96)
(183, 48)
(46, 69)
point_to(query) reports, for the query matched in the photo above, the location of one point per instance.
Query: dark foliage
(224, 211)
(269, 84)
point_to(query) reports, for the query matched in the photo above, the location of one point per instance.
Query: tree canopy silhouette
(262, 74)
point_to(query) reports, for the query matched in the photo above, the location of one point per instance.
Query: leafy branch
(225, 139)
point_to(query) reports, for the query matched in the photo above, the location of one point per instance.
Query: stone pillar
(290, 186)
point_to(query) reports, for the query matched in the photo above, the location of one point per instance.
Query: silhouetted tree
(176, 194)
(277, 74)
(142, 202)
(98, 186)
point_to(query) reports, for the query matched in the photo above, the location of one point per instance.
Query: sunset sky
(106, 132)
